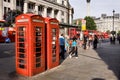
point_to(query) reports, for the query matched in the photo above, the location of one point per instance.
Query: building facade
(107, 23)
(59, 9)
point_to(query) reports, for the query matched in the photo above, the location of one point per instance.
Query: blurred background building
(60, 9)
(105, 23)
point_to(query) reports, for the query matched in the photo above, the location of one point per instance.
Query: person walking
(85, 39)
(62, 46)
(119, 39)
(95, 41)
(67, 45)
(90, 40)
(74, 49)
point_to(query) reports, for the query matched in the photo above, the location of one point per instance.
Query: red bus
(74, 32)
(95, 32)
(6, 32)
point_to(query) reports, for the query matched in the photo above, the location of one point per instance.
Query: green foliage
(118, 33)
(78, 23)
(108, 31)
(11, 15)
(90, 24)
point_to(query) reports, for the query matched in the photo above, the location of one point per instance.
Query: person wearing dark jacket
(62, 46)
(85, 41)
(95, 41)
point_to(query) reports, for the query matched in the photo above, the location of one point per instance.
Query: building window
(62, 21)
(31, 5)
(56, 13)
(63, 2)
(5, 10)
(17, 2)
(62, 13)
(9, 9)
(9, 1)
(40, 8)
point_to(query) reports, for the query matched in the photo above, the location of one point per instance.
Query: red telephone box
(30, 50)
(52, 42)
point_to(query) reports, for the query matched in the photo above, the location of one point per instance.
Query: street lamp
(113, 19)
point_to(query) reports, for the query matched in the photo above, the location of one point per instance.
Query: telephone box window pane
(53, 42)
(38, 33)
(54, 38)
(21, 66)
(54, 59)
(53, 55)
(53, 30)
(21, 28)
(53, 46)
(37, 60)
(21, 39)
(38, 39)
(21, 61)
(22, 55)
(38, 29)
(38, 65)
(21, 50)
(21, 33)
(38, 54)
(38, 44)
(21, 45)
(38, 49)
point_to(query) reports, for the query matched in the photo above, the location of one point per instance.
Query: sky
(97, 7)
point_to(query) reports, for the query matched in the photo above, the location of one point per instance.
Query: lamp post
(113, 19)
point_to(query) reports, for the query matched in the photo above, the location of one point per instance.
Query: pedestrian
(74, 49)
(90, 40)
(67, 45)
(119, 39)
(62, 46)
(85, 42)
(7, 40)
(95, 42)
(100, 40)
(113, 39)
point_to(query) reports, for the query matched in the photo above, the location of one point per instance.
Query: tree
(108, 31)
(11, 15)
(78, 23)
(118, 33)
(90, 24)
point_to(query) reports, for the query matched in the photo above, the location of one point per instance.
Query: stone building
(105, 23)
(60, 9)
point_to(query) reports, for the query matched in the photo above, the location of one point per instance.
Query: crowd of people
(70, 45)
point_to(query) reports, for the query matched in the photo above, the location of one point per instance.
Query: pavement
(100, 64)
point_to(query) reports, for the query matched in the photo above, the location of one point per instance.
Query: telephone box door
(21, 50)
(39, 49)
(52, 37)
(30, 47)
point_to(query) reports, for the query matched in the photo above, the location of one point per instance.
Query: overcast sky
(97, 7)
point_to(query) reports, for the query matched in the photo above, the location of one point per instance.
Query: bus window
(3, 23)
